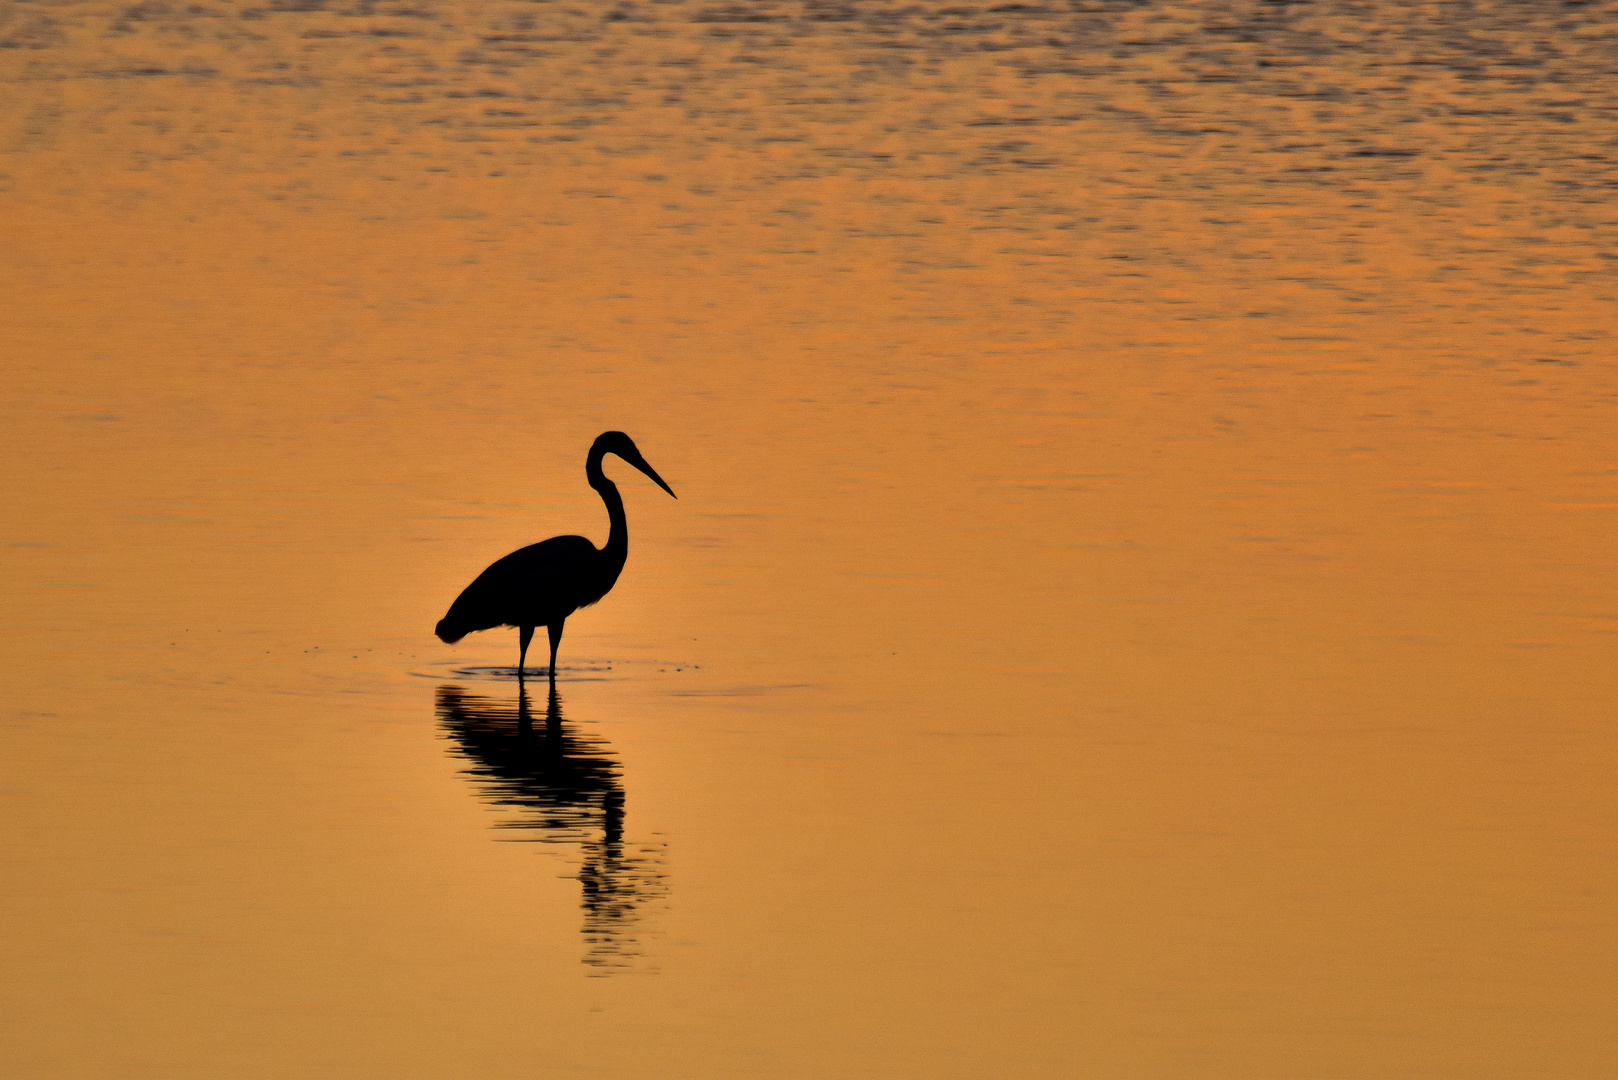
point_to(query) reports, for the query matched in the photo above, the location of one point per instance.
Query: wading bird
(544, 583)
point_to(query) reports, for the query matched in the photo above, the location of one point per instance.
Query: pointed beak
(640, 463)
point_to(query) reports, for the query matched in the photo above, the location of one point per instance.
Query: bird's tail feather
(447, 633)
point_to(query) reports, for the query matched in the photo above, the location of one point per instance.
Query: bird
(544, 583)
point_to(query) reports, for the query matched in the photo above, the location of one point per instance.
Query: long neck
(617, 549)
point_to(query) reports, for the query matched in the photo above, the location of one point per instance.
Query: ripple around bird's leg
(584, 671)
(578, 671)
(569, 672)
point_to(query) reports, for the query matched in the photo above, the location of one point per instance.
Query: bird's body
(544, 583)
(533, 586)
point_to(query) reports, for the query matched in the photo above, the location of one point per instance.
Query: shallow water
(1139, 603)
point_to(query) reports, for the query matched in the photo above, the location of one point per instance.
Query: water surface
(1139, 602)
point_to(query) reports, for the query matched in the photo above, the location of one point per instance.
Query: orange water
(1140, 602)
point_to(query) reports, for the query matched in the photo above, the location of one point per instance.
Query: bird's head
(616, 442)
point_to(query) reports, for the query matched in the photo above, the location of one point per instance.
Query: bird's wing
(530, 587)
(548, 577)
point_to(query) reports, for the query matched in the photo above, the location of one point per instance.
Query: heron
(544, 583)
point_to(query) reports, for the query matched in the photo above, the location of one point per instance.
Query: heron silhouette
(544, 583)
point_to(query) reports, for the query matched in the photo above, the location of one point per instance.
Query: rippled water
(1139, 603)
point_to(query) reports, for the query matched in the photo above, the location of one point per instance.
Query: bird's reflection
(567, 789)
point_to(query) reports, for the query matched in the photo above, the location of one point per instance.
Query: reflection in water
(567, 784)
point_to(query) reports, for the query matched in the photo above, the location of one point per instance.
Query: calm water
(1140, 603)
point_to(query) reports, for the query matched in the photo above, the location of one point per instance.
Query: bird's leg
(555, 630)
(525, 634)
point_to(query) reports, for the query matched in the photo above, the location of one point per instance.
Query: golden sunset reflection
(1139, 601)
